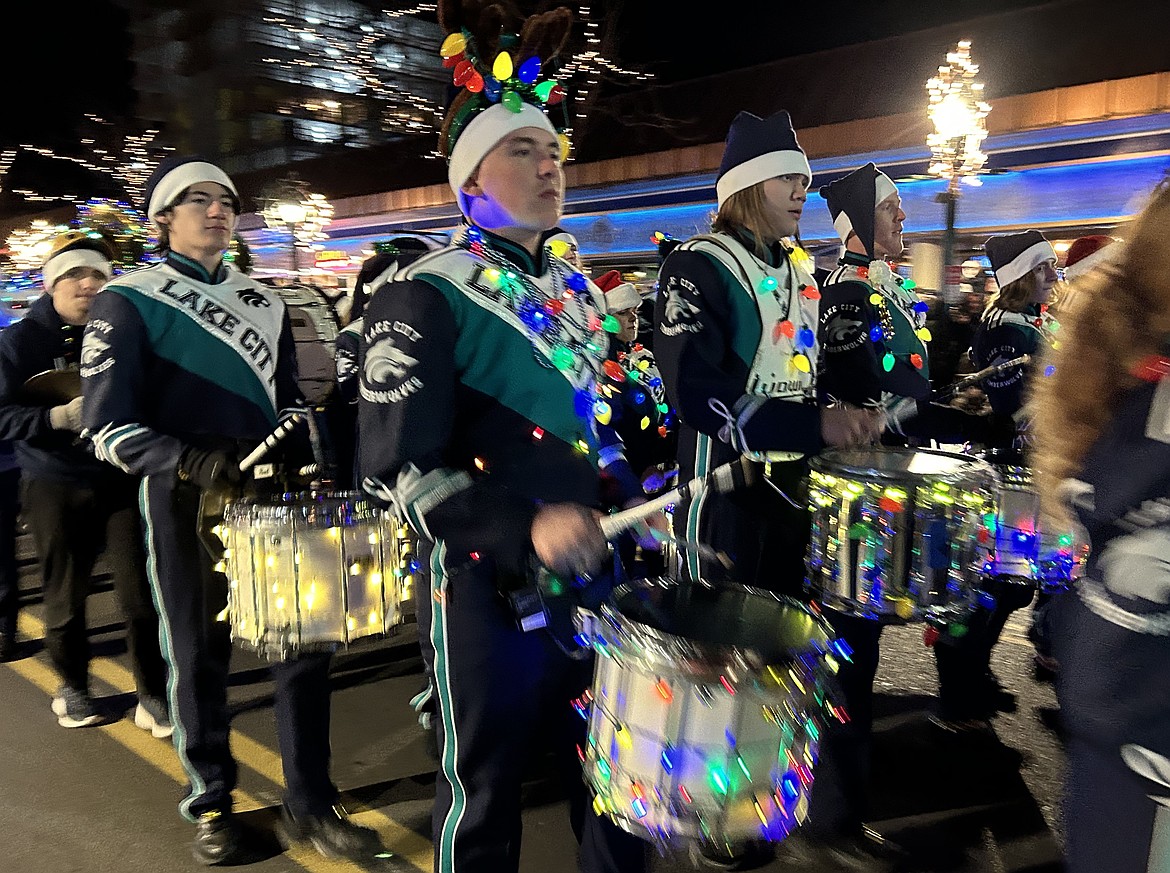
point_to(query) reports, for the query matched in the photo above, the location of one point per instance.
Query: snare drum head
(715, 622)
(899, 465)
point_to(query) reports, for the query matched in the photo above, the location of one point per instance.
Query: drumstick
(272, 439)
(722, 479)
(895, 417)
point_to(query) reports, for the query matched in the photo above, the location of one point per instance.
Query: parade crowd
(501, 402)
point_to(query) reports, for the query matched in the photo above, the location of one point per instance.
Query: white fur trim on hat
(1099, 258)
(1023, 263)
(58, 266)
(843, 225)
(183, 177)
(621, 297)
(883, 187)
(482, 134)
(760, 169)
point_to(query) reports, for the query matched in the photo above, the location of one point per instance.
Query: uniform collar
(519, 256)
(854, 259)
(192, 269)
(777, 252)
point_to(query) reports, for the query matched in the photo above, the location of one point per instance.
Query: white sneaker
(151, 715)
(74, 709)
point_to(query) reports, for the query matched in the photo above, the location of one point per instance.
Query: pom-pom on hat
(852, 200)
(1086, 253)
(1014, 255)
(76, 249)
(497, 57)
(175, 175)
(758, 149)
(619, 295)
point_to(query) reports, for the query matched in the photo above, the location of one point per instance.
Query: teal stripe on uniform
(695, 510)
(175, 336)
(168, 651)
(449, 756)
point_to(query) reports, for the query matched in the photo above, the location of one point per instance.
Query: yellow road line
(257, 757)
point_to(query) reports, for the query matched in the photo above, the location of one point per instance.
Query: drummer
(76, 507)
(735, 338)
(874, 341)
(186, 365)
(736, 343)
(478, 418)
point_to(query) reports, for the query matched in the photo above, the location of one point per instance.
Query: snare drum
(900, 534)
(1024, 550)
(310, 571)
(705, 711)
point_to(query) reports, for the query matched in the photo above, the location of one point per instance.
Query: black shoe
(864, 852)
(9, 649)
(1044, 668)
(219, 839)
(999, 699)
(333, 834)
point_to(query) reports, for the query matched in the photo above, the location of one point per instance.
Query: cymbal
(52, 387)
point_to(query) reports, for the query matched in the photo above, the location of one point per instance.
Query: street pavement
(104, 799)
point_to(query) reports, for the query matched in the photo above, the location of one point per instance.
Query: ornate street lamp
(959, 115)
(303, 214)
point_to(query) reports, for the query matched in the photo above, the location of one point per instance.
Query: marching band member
(478, 393)
(186, 365)
(1015, 322)
(77, 508)
(735, 339)
(1103, 454)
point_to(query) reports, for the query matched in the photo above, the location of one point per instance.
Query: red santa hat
(1086, 253)
(619, 295)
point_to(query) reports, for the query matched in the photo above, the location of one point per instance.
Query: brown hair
(1015, 296)
(1119, 315)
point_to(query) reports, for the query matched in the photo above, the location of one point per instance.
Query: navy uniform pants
(9, 575)
(190, 595)
(502, 695)
(71, 524)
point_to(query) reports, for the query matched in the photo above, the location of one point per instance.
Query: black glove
(210, 469)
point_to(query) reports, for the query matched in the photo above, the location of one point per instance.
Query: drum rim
(665, 650)
(824, 463)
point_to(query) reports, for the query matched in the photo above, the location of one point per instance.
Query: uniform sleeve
(18, 421)
(114, 356)
(702, 375)
(851, 364)
(406, 415)
(1005, 391)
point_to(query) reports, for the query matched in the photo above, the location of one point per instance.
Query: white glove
(66, 417)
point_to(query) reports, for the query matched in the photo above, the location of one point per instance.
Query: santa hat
(1086, 253)
(619, 295)
(76, 249)
(1014, 255)
(175, 175)
(852, 200)
(758, 149)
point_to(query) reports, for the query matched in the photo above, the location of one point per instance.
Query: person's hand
(848, 426)
(567, 538)
(210, 469)
(67, 416)
(652, 531)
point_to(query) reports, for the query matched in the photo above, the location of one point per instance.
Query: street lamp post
(291, 214)
(303, 214)
(959, 115)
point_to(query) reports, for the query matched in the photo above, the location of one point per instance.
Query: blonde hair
(1015, 296)
(746, 210)
(1119, 315)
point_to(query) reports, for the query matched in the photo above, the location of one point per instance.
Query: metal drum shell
(705, 711)
(278, 550)
(899, 534)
